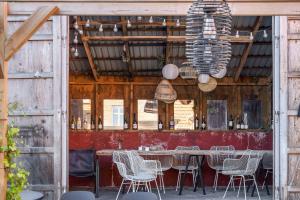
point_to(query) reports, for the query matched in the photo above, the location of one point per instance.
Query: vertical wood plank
(3, 95)
(131, 105)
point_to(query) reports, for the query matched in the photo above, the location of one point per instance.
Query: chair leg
(120, 189)
(157, 190)
(216, 180)
(163, 183)
(178, 180)
(244, 180)
(265, 178)
(129, 187)
(239, 187)
(256, 187)
(231, 178)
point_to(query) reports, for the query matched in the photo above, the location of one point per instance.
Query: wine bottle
(160, 125)
(125, 126)
(85, 123)
(92, 124)
(73, 123)
(78, 123)
(238, 123)
(242, 123)
(203, 123)
(134, 123)
(230, 123)
(100, 124)
(196, 123)
(171, 124)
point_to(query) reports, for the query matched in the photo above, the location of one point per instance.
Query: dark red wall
(133, 139)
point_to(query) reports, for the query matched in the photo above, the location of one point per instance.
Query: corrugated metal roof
(147, 57)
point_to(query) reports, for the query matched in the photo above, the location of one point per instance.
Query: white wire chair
(267, 164)
(243, 169)
(145, 171)
(217, 155)
(179, 163)
(164, 164)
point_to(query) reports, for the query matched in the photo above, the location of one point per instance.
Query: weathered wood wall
(144, 88)
(36, 74)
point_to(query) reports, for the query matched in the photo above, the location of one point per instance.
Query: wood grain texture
(27, 29)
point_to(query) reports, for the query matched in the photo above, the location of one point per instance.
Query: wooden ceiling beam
(27, 29)
(153, 7)
(241, 39)
(88, 53)
(247, 49)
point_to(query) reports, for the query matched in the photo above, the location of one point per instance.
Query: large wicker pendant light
(165, 92)
(208, 25)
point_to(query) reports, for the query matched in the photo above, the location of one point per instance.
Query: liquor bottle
(85, 124)
(125, 126)
(73, 123)
(203, 123)
(134, 123)
(171, 124)
(100, 124)
(92, 124)
(230, 123)
(246, 120)
(160, 125)
(78, 123)
(242, 123)
(196, 123)
(238, 123)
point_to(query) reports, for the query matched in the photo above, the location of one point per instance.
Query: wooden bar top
(109, 152)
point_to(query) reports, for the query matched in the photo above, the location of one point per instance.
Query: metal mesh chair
(139, 196)
(243, 169)
(216, 157)
(267, 164)
(179, 163)
(78, 195)
(83, 163)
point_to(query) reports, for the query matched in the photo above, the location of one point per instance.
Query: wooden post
(3, 95)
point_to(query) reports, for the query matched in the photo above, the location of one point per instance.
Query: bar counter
(132, 139)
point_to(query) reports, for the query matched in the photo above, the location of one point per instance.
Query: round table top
(31, 195)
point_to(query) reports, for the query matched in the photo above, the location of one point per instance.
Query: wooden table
(198, 154)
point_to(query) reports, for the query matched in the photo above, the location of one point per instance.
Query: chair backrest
(218, 154)
(139, 196)
(124, 158)
(267, 161)
(181, 160)
(78, 195)
(252, 165)
(137, 163)
(81, 162)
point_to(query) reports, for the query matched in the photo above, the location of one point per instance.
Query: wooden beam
(154, 7)
(168, 47)
(127, 49)
(247, 49)
(241, 39)
(88, 53)
(3, 96)
(27, 29)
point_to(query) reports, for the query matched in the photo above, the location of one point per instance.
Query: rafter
(27, 29)
(247, 49)
(126, 44)
(241, 39)
(88, 53)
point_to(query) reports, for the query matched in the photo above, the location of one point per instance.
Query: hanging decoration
(221, 73)
(151, 106)
(165, 92)
(186, 71)
(170, 71)
(209, 86)
(208, 25)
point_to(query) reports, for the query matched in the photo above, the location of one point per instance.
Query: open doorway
(116, 62)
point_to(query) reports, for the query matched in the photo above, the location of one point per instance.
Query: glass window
(113, 114)
(148, 114)
(184, 114)
(217, 114)
(252, 109)
(81, 108)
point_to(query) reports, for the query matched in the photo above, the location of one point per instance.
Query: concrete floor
(188, 194)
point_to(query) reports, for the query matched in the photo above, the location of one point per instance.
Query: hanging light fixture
(101, 28)
(87, 23)
(186, 71)
(221, 73)
(265, 35)
(170, 71)
(128, 23)
(165, 92)
(208, 27)
(76, 53)
(151, 20)
(177, 23)
(251, 36)
(164, 22)
(115, 28)
(151, 106)
(75, 40)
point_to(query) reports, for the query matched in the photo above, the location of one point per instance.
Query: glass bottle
(125, 126)
(160, 125)
(230, 123)
(134, 123)
(196, 123)
(78, 124)
(100, 125)
(238, 123)
(171, 124)
(73, 123)
(242, 123)
(203, 123)
(92, 124)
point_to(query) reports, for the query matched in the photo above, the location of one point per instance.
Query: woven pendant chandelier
(208, 27)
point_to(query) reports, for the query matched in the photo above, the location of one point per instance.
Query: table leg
(183, 178)
(97, 178)
(199, 177)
